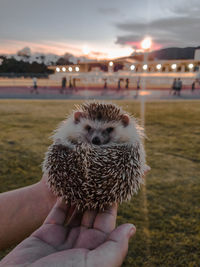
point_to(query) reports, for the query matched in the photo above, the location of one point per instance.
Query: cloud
(59, 48)
(180, 29)
(50, 47)
(185, 7)
(108, 10)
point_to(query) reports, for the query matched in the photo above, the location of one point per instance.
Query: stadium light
(77, 69)
(70, 69)
(191, 66)
(145, 66)
(132, 67)
(58, 69)
(159, 66)
(173, 66)
(63, 69)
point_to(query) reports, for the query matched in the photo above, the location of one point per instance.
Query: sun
(86, 50)
(146, 43)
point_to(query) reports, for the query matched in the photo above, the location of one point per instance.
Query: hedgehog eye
(88, 128)
(109, 130)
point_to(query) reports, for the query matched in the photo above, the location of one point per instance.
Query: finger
(88, 218)
(147, 169)
(105, 221)
(70, 213)
(58, 213)
(75, 219)
(114, 250)
(72, 225)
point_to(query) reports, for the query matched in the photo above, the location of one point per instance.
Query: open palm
(71, 238)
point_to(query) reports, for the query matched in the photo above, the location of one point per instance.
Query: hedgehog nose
(96, 140)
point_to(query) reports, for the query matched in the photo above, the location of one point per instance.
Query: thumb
(113, 251)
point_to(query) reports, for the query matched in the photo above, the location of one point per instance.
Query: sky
(100, 28)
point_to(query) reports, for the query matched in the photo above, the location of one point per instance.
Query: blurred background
(143, 55)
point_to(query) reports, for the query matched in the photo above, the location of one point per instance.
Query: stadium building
(157, 73)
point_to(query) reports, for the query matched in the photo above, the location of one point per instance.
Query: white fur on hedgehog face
(97, 132)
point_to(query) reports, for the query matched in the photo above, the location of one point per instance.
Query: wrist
(48, 196)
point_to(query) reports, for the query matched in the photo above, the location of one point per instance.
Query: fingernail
(132, 231)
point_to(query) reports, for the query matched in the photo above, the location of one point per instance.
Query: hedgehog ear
(125, 120)
(77, 116)
(57, 141)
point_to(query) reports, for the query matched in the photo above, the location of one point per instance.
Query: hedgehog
(97, 157)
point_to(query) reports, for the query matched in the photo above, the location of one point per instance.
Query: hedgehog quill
(97, 157)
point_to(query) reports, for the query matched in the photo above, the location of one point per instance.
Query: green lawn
(166, 212)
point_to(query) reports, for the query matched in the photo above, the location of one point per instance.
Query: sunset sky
(106, 28)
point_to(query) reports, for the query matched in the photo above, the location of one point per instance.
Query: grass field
(166, 212)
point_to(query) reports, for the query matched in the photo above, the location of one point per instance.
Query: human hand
(88, 239)
(44, 189)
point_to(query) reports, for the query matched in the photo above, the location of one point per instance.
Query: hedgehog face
(79, 128)
(100, 132)
(97, 134)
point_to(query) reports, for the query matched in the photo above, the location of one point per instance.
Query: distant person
(179, 86)
(63, 85)
(173, 88)
(137, 88)
(74, 82)
(105, 84)
(70, 83)
(193, 86)
(119, 84)
(35, 87)
(127, 83)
